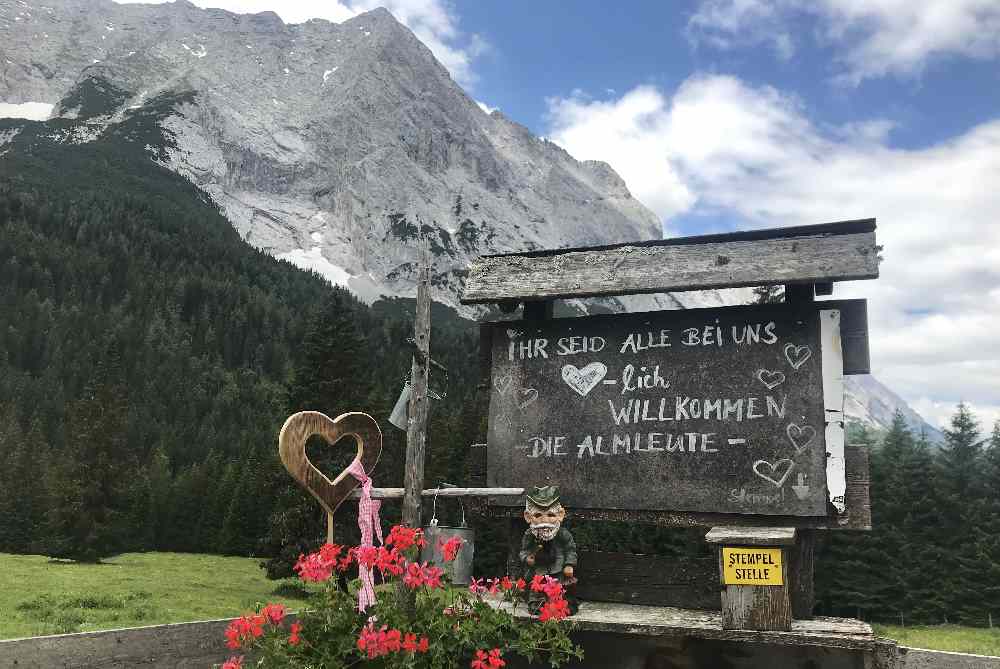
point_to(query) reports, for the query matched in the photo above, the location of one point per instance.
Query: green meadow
(43, 596)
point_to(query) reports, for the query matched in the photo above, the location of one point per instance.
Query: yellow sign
(751, 566)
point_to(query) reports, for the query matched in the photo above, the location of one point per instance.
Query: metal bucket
(399, 416)
(435, 535)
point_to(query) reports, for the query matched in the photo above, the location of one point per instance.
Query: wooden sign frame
(807, 260)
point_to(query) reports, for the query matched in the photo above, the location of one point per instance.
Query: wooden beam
(399, 493)
(416, 431)
(809, 254)
(751, 536)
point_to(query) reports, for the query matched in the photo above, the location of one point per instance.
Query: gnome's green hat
(544, 497)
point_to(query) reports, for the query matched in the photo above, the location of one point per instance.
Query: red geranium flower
(554, 609)
(450, 548)
(484, 660)
(273, 613)
(294, 637)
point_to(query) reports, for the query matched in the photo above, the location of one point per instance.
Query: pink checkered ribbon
(368, 521)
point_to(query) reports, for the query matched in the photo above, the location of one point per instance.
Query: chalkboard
(711, 410)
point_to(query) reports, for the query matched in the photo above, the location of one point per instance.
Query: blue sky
(727, 114)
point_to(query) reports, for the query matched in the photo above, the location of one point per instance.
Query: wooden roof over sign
(843, 251)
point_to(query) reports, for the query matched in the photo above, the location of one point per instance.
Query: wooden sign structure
(724, 417)
(714, 410)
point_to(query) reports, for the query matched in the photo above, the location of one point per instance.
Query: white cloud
(751, 154)
(630, 134)
(874, 37)
(485, 107)
(433, 21)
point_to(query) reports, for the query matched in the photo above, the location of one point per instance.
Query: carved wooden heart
(292, 450)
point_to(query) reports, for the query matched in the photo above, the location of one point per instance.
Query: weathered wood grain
(647, 579)
(757, 607)
(416, 429)
(399, 493)
(829, 253)
(637, 620)
(751, 536)
(801, 561)
(292, 451)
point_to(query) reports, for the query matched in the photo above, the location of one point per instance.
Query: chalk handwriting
(583, 380)
(528, 349)
(772, 472)
(800, 489)
(771, 380)
(645, 377)
(636, 342)
(801, 437)
(502, 382)
(797, 355)
(574, 345)
(741, 496)
(682, 407)
(527, 396)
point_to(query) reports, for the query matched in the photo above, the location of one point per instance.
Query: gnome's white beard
(545, 531)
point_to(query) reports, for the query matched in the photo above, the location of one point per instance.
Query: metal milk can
(435, 535)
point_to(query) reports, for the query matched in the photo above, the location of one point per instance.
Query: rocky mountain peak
(343, 148)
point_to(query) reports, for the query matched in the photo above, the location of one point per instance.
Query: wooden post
(416, 430)
(753, 572)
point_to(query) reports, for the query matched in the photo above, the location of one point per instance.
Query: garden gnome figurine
(547, 548)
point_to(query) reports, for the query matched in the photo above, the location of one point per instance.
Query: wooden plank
(647, 579)
(757, 607)
(675, 265)
(751, 536)
(638, 620)
(399, 493)
(702, 410)
(416, 432)
(801, 561)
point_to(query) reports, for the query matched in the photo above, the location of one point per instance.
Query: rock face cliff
(343, 148)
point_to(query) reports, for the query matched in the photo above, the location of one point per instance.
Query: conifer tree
(334, 376)
(921, 557)
(960, 488)
(88, 516)
(988, 530)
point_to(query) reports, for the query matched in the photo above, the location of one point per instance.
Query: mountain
(870, 402)
(342, 148)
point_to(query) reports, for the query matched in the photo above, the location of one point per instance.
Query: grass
(956, 638)
(42, 596)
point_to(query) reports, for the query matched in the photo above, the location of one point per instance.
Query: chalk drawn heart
(513, 334)
(582, 381)
(292, 450)
(801, 437)
(502, 382)
(528, 395)
(797, 355)
(770, 379)
(773, 471)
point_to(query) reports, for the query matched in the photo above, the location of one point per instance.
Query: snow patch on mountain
(32, 111)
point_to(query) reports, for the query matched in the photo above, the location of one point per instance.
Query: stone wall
(200, 644)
